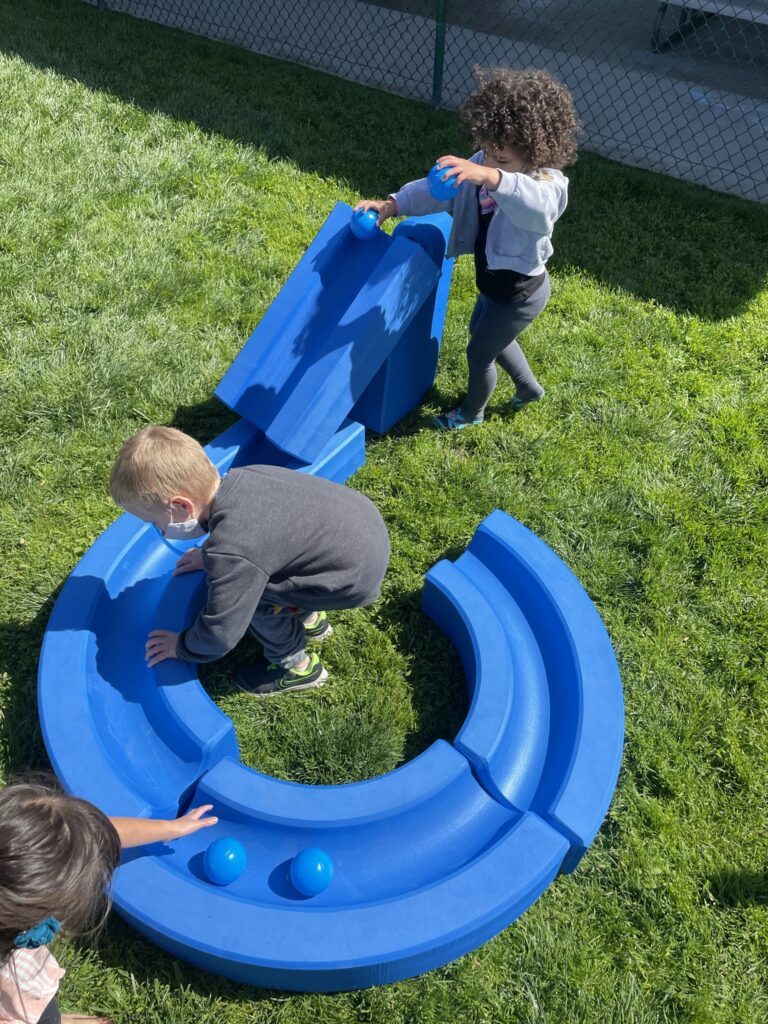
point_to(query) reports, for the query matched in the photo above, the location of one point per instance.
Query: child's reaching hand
(161, 645)
(384, 207)
(466, 170)
(190, 561)
(142, 831)
(193, 821)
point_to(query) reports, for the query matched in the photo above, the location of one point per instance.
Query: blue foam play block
(545, 726)
(326, 335)
(409, 370)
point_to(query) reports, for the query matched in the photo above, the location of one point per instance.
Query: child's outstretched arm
(530, 201)
(142, 831)
(385, 208)
(235, 586)
(412, 200)
(415, 200)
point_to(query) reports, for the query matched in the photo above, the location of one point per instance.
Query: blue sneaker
(454, 420)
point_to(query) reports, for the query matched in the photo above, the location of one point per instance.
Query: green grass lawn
(155, 191)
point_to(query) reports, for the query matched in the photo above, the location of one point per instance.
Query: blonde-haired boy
(282, 548)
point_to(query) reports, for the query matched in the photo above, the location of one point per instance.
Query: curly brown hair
(526, 110)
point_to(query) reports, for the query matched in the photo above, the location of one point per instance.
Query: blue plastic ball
(225, 861)
(441, 187)
(363, 224)
(311, 871)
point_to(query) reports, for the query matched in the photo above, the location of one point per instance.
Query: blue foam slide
(342, 312)
(546, 723)
(409, 370)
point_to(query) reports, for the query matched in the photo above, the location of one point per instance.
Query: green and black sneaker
(320, 629)
(268, 681)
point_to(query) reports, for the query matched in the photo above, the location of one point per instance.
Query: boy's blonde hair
(158, 463)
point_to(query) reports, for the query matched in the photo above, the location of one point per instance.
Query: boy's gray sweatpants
(493, 330)
(280, 631)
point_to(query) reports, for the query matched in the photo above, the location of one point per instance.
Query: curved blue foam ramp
(546, 723)
(321, 344)
(419, 856)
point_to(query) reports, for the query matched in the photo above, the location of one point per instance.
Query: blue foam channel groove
(431, 859)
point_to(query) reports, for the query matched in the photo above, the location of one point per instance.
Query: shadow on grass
(20, 735)
(436, 677)
(681, 245)
(120, 948)
(739, 888)
(204, 420)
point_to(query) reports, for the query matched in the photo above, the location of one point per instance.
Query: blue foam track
(545, 727)
(418, 854)
(430, 860)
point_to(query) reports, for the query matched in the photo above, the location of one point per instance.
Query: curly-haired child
(511, 192)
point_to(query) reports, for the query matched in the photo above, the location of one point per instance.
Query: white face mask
(188, 530)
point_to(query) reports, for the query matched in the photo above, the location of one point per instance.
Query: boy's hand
(190, 561)
(384, 207)
(465, 170)
(192, 821)
(160, 646)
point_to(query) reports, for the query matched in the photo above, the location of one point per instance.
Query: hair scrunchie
(40, 935)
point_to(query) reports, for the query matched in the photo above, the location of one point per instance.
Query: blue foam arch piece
(325, 337)
(506, 732)
(534, 644)
(587, 721)
(395, 908)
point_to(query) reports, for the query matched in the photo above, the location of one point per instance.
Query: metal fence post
(437, 71)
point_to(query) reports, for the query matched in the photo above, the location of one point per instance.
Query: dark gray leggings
(280, 631)
(493, 330)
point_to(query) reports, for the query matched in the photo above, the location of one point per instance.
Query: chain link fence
(675, 87)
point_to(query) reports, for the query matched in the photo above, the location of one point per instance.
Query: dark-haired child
(57, 856)
(511, 192)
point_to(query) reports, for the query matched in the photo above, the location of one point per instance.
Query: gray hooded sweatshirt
(527, 206)
(287, 538)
